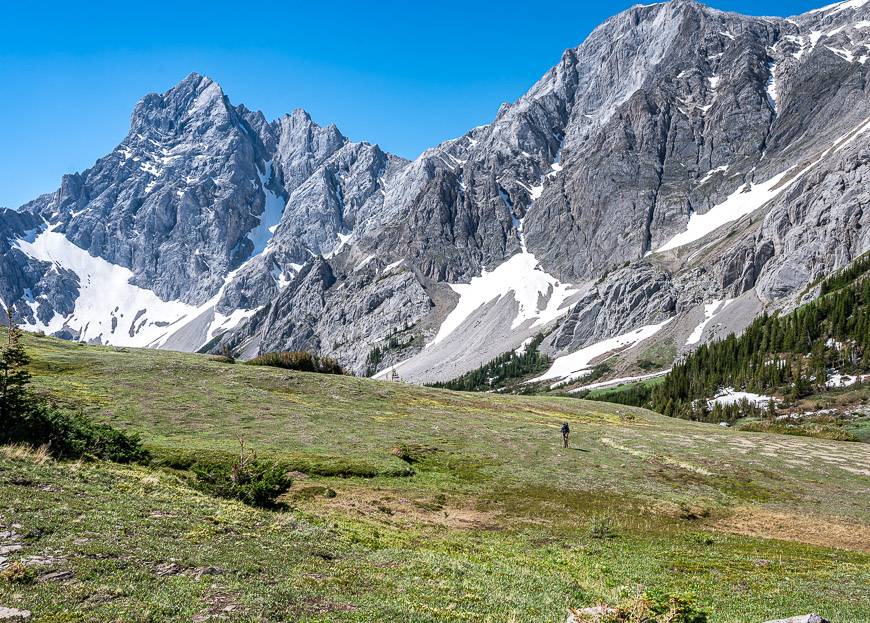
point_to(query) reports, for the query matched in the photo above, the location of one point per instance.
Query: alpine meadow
(603, 359)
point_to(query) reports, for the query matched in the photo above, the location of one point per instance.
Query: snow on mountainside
(679, 155)
(109, 308)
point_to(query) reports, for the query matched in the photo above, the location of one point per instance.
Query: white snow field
(710, 310)
(729, 396)
(741, 202)
(750, 197)
(109, 308)
(271, 216)
(845, 380)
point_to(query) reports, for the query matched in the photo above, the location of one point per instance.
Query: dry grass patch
(396, 508)
(23, 452)
(801, 528)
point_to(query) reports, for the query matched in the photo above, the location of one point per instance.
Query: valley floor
(415, 504)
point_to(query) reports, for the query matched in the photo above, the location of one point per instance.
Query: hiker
(565, 432)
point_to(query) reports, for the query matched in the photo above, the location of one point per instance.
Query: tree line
(788, 354)
(507, 368)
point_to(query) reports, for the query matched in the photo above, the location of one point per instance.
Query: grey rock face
(343, 315)
(286, 235)
(175, 201)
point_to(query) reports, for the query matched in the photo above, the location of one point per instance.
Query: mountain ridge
(593, 192)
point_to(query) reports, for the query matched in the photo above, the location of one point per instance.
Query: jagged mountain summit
(680, 171)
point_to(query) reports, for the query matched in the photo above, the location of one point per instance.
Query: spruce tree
(15, 400)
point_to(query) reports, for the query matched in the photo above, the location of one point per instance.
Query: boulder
(14, 614)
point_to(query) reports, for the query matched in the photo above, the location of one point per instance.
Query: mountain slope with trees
(791, 355)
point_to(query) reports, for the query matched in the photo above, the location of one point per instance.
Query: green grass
(448, 506)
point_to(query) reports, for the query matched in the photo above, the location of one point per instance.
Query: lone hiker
(565, 432)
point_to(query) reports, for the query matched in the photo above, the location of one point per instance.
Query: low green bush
(257, 484)
(18, 573)
(300, 361)
(601, 528)
(239, 476)
(71, 435)
(184, 459)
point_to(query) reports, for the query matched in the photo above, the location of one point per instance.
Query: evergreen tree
(15, 400)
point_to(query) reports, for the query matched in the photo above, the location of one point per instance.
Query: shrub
(601, 528)
(675, 608)
(14, 376)
(260, 485)
(17, 573)
(241, 476)
(298, 360)
(71, 435)
(26, 420)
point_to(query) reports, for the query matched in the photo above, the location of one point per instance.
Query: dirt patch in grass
(399, 508)
(770, 524)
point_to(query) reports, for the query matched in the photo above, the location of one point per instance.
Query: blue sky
(406, 75)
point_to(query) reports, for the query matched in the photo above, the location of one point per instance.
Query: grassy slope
(493, 526)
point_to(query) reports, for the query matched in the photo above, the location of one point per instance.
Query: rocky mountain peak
(668, 133)
(196, 98)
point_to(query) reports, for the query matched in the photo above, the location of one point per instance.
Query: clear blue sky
(406, 75)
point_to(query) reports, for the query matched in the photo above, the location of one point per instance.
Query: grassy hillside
(418, 504)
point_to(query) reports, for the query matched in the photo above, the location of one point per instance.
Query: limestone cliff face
(679, 154)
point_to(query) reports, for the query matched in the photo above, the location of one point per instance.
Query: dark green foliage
(18, 573)
(299, 360)
(601, 528)
(227, 354)
(598, 370)
(333, 466)
(675, 608)
(241, 476)
(634, 394)
(379, 352)
(14, 377)
(789, 355)
(651, 607)
(375, 356)
(846, 276)
(72, 435)
(25, 419)
(647, 365)
(502, 371)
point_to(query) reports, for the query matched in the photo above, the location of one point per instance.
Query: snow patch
(109, 308)
(619, 381)
(771, 88)
(521, 349)
(578, 364)
(710, 310)
(539, 296)
(390, 267)
(844, 380)
(840, 6)
(728, 396)
(271, 216)
(363, 263)
(741, 202)
(711, 173)
(749, 198)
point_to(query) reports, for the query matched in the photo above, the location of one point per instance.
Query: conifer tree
(14, 377)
